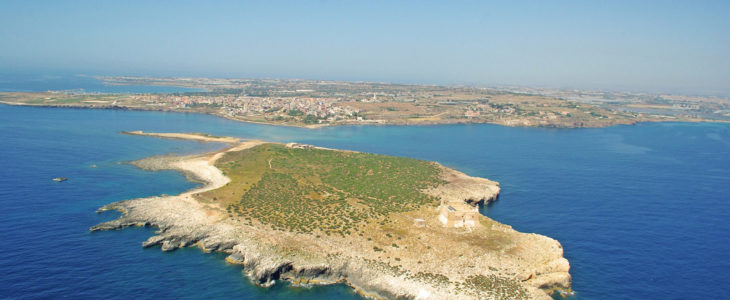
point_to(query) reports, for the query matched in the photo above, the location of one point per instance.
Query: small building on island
(458, 214)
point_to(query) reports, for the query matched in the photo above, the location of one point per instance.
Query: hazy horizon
(651, 46)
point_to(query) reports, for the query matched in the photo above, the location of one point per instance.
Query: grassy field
(321, 191)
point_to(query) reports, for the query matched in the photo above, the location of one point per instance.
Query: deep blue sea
(643, 212)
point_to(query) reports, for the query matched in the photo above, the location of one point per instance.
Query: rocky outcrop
(263, 264)
(460, 187)
(432, 262)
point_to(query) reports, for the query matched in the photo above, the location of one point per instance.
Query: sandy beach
(186, 136)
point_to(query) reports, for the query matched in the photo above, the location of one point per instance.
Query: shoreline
(194, 136)
(319, 126)
(184, 221)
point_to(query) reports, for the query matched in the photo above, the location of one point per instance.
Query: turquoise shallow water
(77, 83)
(642, 211)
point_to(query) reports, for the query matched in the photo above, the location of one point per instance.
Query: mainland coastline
(315, 104)
(480, 260)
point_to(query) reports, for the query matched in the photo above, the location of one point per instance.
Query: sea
(642, 211)
(13, 82)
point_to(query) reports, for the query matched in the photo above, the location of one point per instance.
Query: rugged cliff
(405, 254)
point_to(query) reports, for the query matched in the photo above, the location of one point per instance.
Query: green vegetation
(310, 119)
(502, 288)
(437, 279)
(334, 192)
(295, 113)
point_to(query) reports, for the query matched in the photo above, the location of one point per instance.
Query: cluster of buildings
(477, 109)
(237, 105)
(685, 106)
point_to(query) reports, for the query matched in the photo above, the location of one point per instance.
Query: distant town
(312, 103)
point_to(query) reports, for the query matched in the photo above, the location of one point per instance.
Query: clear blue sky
(679, 46)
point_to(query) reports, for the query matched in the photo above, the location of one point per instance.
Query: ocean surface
(77, 84)
(643, 212)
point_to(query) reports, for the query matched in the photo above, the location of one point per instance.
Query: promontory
(390, 227)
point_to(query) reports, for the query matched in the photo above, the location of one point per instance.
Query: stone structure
(458, 214)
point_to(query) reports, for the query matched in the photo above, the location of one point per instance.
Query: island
(317, 103)
(389, 227)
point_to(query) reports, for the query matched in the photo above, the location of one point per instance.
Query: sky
(653, 46)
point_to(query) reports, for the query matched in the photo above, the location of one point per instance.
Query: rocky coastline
(522, 266)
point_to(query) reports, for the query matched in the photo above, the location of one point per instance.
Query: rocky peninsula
(390, 227)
